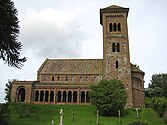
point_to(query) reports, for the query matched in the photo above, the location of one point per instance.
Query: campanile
(116, 56)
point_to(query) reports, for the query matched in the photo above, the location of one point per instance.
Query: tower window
(113, 47)
(110, 26)
(117, 64)
(118, 47)
(66, 78)
(115, 27)
(119, 27)
(58, 78)
(53, 78)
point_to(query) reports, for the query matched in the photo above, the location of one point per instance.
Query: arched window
(117, 64)
(74, 96)
(82, 97)
(46, 96)
(118, 47)
(64, 96)
(59, 96)
(41, 96)
(115, 27)
(110, 27)
(21, 95)
(58, 78)
(53, 78)
(51, 96)
(119, 27)
(87, 97)
(69, 96)
(36, 96)
(113, 47)
(66, 78)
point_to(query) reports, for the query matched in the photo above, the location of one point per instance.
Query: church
(67, 81)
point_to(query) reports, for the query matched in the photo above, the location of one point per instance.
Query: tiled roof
(71, 66)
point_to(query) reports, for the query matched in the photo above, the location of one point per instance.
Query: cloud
(51, 33)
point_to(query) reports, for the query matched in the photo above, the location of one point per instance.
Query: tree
(109, 97)
(8, 91)
(158, 86)
(10, 47)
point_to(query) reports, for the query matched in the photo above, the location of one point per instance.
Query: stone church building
(67, 81)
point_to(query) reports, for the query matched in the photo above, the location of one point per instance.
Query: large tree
(10, 47)
(158, 86)
(109, 96)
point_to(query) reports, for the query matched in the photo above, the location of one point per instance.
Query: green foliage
(9, 29)
(4, 114)
(8, 91)
(158, 86)
(138, 123)
(159, 105)
(147, 102)
(109, 96)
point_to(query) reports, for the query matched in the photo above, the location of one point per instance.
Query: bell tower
(116, 57)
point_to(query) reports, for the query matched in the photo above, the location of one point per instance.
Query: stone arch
(21, 94)
(41, 96)
(36, 96)
(46, 96)
(51, 96)
(82, 97)
(59, 96)
(75, 96)
(87, 97)
(69, 96)
(64, 96)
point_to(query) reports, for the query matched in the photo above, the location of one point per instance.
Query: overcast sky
(71, 29)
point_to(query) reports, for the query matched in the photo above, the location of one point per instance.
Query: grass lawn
(83, 115)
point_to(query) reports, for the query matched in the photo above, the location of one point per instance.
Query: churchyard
(22, 114)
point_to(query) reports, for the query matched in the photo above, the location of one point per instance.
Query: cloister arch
(41, 96)
(21, 95)
(64, 96)
(82, 97)
(46, 96)
(87, 97)
(59, 96)
(69, 96)
(75, 96)
(51, 96)
(36, 96)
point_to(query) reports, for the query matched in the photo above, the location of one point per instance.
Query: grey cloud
(50, 33)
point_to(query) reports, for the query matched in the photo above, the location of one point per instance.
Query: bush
(138, 123)
(159, 105)
(109, 96)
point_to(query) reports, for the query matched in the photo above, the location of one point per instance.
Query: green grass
(83, 115)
